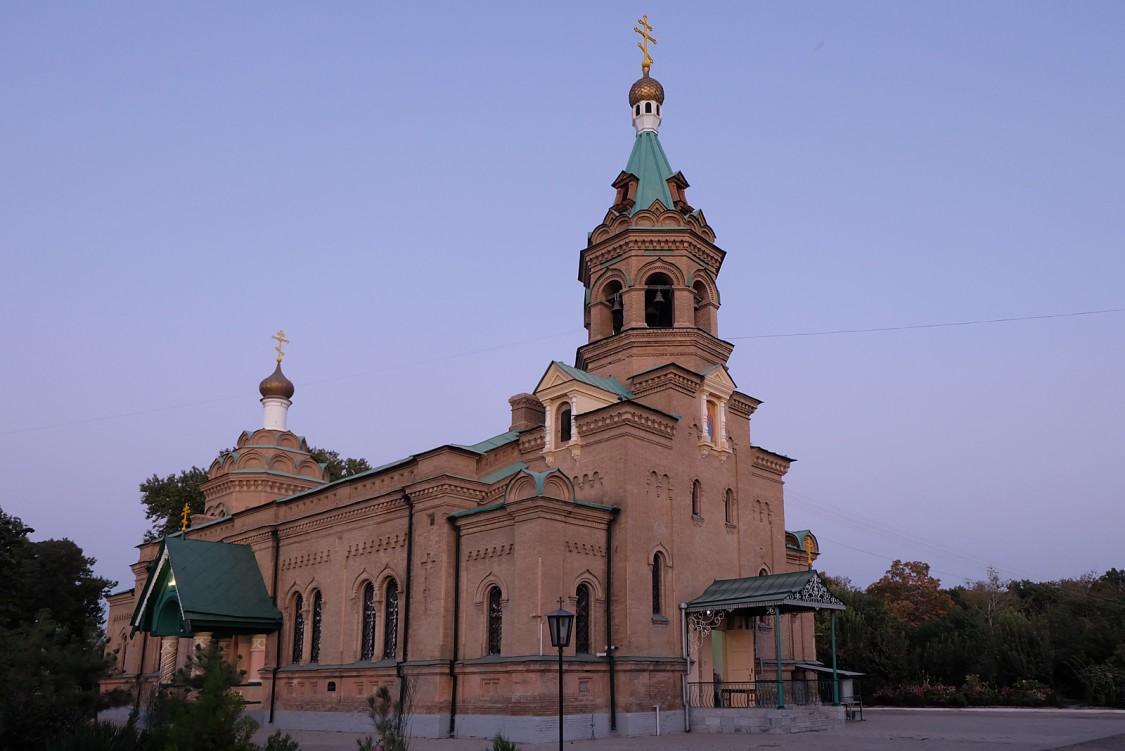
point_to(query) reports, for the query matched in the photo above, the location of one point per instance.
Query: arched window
(564, 421)
(637, 109)
(390, 621)
(298, 629)
(711, 421)
(728, 506)
(582, 620)
(495, 620)
(696, 498)
(657, 580)
(648, 108)
(659, 308)
(367, 631)
(317, 613)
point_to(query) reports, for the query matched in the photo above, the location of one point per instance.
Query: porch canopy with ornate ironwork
(796, 591)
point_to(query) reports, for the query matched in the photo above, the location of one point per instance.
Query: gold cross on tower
(185, 517)
(280, 337)
(647, 62)
(809, 549)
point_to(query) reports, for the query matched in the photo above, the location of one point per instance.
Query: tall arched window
(495, 620)
(728, 506)
(298, 629)
(564, 421)
(582, 620)
(367, 631)
(711, 421)
(390, 621)
(317, 613)
(696, 498)
(657, 581)
(659, 308)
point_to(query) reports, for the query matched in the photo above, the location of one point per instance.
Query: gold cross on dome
(185, 517)
(280, 337)
(647, 62)
(809, 548)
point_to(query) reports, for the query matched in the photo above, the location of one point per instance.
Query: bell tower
(650, 267)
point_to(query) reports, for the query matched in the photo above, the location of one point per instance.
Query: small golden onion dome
(276, 385)
(646, 88)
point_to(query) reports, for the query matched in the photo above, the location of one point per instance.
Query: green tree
(164, 499)
(202, 711)
(51, 642)
(910, 595)
(336, 467)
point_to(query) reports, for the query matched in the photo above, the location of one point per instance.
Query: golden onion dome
(646, 88)
(276, 385)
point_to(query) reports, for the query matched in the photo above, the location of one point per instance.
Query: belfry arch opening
(659, 302)
(703, 307)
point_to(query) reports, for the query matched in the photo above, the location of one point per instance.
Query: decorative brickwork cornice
(272, 485)
(306, 559)
(493, 551)
(447, 487)
(652, 342)
(533, 441)
(677, 380)
(583, 548)
(771, 462)
(376, 545)
(625, 414)
(615, 224)
(743, 405)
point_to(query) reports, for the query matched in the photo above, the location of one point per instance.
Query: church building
(627, 491)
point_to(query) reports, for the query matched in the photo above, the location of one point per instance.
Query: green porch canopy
(199, 586)
(796, 590)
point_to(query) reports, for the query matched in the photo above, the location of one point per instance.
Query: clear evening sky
(404, 188)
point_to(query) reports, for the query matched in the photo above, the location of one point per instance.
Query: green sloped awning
(796, 590)
(200, 586)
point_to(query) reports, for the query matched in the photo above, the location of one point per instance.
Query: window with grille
(495, 620)
(317, 614)
(582, 620)
(367, 637)
(390, 621)
(298, 629)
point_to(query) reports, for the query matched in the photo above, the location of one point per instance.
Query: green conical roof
(651, 167)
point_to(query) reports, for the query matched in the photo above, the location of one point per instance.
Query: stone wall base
(778, 721)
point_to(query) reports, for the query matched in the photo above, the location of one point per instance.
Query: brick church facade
(626, 486)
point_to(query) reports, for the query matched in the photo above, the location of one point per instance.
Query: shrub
(500, 743)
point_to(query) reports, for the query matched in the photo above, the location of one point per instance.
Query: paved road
(881, 730)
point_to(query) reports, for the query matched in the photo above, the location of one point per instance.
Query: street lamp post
(559, 623)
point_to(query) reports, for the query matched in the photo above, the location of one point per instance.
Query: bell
(659, 299)
(616, 307)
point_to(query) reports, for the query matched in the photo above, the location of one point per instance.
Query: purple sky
(404, 188)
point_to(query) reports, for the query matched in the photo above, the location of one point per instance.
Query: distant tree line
(985, 643)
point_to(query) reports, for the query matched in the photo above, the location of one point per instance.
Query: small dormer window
(565, 432)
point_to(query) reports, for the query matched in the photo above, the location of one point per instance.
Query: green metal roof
(796, 590)
(605, 384)
(500, 474)
(651, 167)
(201, 586)
(490, 443)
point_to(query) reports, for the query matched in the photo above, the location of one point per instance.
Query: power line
(950, 324)
(185, 405)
